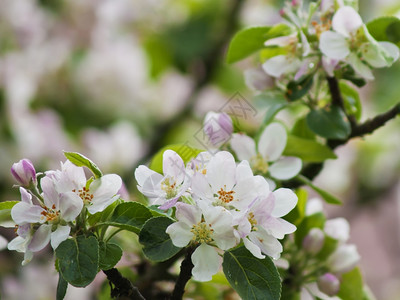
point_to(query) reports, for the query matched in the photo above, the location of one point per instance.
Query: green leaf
(109, 255)
(130, 216)
(184, 151)
(351, 99)
(61, 288)
(249, 40)
(330, 245)
(157, 243)
(301, 129)
(82, 161)
(251, 277)
(78, 260)
(7, 205)
(316, 220)
(351, 286)
(385, 29)
(102, 216)
(330, 124)
(329, 198)
(296, 90)
(272, 102)
(307, 150)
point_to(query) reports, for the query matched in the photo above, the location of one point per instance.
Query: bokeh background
(118, 79)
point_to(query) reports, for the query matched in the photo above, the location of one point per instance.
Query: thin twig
(184, 275)
(123, 288)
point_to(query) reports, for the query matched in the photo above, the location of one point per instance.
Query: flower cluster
(219, 203)
(49, 208)
(331, 35)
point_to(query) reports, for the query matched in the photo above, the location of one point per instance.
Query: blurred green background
(118, 79)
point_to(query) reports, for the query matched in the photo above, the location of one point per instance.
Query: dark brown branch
(121, 287)
(184, 275)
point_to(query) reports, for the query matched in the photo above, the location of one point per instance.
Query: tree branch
(123, 288)
(184, 275)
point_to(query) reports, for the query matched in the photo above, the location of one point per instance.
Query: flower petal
(40, 238)
(23, 213)
(173, 166)
(70, 206)
(344, 259)
(333, 45)
(346, 21)
(285, 201)
(104, 190)
(278, 227)
(281, 64)
(50, 194)
(201, 188)
(142, 173)
(253, 248)
(59, 235)
(267, 243)
(180, 234)
(272, 141)
(206, 262)
(285, 168)
(359, 67)
(188, 214)
(337, 228)
(243, 146)
(221, 171)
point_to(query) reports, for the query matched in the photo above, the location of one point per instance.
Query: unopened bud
(24, 172)
(329, 284)
(313, 241)
(344, 259)
(218, 127)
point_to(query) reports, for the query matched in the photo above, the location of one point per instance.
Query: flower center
(225, 196)
(259, 164)
(252, 221)
(321, 27)
(85, 195)
(202, 233)
(50, 214)
(169, 186)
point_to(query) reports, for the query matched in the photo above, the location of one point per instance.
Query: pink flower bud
(329, 284)
(24, 172)
(218, 128)
(313, 241)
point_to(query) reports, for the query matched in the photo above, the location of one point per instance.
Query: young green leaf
(301, 129)
(157, 243)
(129, 216)
(109, 255)
(7, 205)
(296, 215)
(307, 150)
(351, 286)
(82, 161)
(385, 29)
(251, 277)
(78, 260)
(296, 90)
(330, 124)
(184, 151)
(272, 102)
(329, 198)
(351, 99)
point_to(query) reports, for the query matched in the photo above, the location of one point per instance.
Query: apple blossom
(205, 226)
(218, 128)
(314, 241)
(97, 196)
(166, 189)
(270, 146)
(24, 172)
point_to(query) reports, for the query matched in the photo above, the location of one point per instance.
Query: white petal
(104, 190)
(278, 227)
(188, 214)
(272, 141)
(40, 238)
(305, 44)
(59, 235)
(329, 65)
(23, 212)
(281, 41)
(253, 248)
(173, 166)
(18, 244)
(142, 173)
(25, 196)
(391, 49)
(152, 186)
(285, 201)
(313, 206)
(285, 168)
(267, 243)
(50, 194)
(346, 21)
(380, 55)
(243, 171)
(221, 222)
(333, 45)
(221, 171)
(359, 67)
(180, 234)
(243, 146)
(337, 228)
(281, 64)
(206, 262)
(70, 206)
(201, 188)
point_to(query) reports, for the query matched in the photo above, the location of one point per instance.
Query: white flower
(207, 226)
(100, 193)
(225, 183)
(351, 42)
(218, 127)
(337, 228)
(344, 259)
(164, 189)
(269, 150)
(21, 242)
(261, 225)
